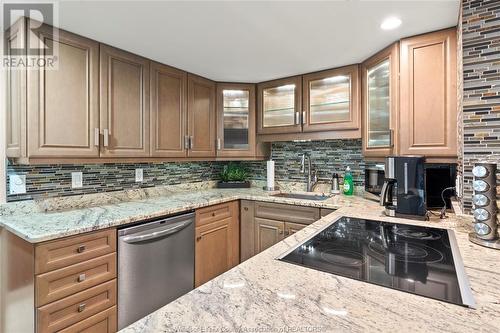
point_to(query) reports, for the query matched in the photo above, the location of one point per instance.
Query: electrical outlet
(139, 175)
(17, 184)
(76, 179)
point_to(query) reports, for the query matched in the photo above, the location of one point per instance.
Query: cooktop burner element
(410, 232)
(414, 259)
(343, 257)
(409, 252)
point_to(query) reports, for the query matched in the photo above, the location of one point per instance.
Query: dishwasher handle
(157, 234)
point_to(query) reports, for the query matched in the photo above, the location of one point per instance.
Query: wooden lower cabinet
(287, 213)
(71, 310)
(325, 211)
(247, 229)
(291, 228)
(66, 281)
(63, 253)
(267, 233)
(217, 241)
(103, 322)
(264, 224)
(64, 285)
(81, 296)
(270, 232)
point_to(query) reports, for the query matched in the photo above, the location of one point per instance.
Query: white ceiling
(253, 41)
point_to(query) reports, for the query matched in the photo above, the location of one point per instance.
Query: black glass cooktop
(409, 258)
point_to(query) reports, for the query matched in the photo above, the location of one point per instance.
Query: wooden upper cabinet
(63, 101)
(279, 104)
(201, 127)
(380, 107)
(331, 100)
(235, 119)
(168, 111)
(428, 112)
(15, 94)
(124, 85)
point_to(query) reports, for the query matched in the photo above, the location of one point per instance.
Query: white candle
(270, 174)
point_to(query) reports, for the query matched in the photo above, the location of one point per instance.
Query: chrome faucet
(312, 179)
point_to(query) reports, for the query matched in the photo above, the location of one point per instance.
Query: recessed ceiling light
(390, 23)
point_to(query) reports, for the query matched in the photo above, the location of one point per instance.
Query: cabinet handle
(245, 208)
(82, 277)
(97, 135)
(191, 139)
(80, 249)
(297, 118)
(81, 307)
(213, 214)
(287, 232)
(281, 231)
(198, 238)
(391, 138)
(218, 143)
(303, 117)
(186, 141)
(105, 134)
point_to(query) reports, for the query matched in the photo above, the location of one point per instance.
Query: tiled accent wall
(327, 157)
(481, 87)
(55, 180)
(460, 122)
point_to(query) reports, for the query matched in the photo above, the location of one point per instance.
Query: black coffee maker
(403, 192)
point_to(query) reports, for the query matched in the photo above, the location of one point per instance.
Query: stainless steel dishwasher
(155, 265)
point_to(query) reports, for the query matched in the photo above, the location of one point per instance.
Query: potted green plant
(233, 175)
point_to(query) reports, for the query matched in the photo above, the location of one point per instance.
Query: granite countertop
(263, 294)
(66, 216)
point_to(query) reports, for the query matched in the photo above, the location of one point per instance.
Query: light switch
(139, 175)
(17, 184)
(76, 179)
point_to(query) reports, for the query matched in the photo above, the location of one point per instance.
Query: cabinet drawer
(70, 280)
(103, 322)
(73, 309)
(215, 213)
(286, 213)
(62, 253)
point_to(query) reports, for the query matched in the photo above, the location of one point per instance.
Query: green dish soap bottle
(348, 183)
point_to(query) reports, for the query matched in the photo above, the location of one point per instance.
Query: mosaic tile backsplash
(55, 180)
(480, 114)
(329, 156)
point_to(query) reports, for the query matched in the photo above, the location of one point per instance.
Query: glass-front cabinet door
(331, 100)
(279, 106)
(236, 119)
(379, 85)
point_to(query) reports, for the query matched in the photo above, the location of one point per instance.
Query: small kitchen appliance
(415, 259)
(403, 192)
(374, 179)
(485, 206)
